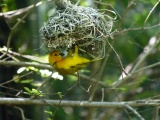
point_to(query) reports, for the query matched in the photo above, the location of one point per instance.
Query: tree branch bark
(45, 102)
(26, 64)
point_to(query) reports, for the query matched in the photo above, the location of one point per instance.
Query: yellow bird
(69, 64)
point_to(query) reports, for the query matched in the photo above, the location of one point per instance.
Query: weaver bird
(70, 64)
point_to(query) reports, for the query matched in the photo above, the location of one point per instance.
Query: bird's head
(55, 56)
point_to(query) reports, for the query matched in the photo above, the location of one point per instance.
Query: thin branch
(155, 113)
(117, 57)
(99, 74)
(151, 45)
(102, 99)
(10, 56)
(135, 112)
(93, 80)
(45, 102)
(151, 11)
(22, 112)
(16, 78)
(30, 57)
(40, 87)
(13, 28)
(143, 56)
(121, 81)
(145, 68)
(103, 3)
(14, 13)
(26, 64)
(134, 29)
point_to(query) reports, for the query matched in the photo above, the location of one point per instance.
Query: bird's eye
(55, 54)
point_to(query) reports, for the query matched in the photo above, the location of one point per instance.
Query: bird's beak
(62, 54)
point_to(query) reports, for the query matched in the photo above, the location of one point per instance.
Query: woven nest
(83, 26)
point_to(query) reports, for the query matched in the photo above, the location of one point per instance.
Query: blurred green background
(131, 36)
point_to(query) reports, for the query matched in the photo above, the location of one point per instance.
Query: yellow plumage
(68, 65)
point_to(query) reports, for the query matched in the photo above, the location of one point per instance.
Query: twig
(20, 11)
(22, 112)
(102, 99)
(13, 28)
(155, 114)
(151, 11)
(26, 64)
(135, 29)
(90, 79)
(99, 74)
(102, 3)
(16, 78)
(10, 56)
(141, 59)
(143, 55)
(134, 111)
(40, 87)
(121, 81)
(33, 58)
(117, 57)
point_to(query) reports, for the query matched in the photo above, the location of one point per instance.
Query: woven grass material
(83, 26)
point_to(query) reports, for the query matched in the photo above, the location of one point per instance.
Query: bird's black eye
(55, 54)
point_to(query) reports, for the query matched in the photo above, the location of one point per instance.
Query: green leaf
(26, 81)
(60, 94)
(28, 90)
(33, 92)
(36, 92)
(49, 112)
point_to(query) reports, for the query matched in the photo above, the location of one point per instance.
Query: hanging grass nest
(71, 24)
